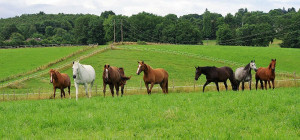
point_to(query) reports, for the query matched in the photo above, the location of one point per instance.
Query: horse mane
(207, 68)
(270, 65)
(247, 67)
(148, 67)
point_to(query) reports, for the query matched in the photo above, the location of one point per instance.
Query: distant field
(272, 114)
(15, 61)
(180, 64)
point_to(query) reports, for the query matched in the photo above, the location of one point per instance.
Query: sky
(12, 8)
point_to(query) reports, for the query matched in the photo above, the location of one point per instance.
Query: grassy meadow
(15, 61)
(272, 114)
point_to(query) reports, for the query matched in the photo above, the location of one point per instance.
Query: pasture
(179, 61)
(15, 61)
(272, 114)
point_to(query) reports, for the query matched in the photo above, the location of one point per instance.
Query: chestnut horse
(60, 81)
(114, 77)
(266, 74)
(214, 74)
(153, 76)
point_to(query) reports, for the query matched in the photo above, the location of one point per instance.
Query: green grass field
(15, 61)
(179, 61)
(272, 114)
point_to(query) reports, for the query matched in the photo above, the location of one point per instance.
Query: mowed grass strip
(272, 114)
(15, 61)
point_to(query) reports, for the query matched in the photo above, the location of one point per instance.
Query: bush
(141, 43)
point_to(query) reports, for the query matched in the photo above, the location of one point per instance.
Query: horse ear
(108, 66)
(138, 61)
(195, 67)
(143, 62)
(104, 65)
(275, 59)
(73, 62)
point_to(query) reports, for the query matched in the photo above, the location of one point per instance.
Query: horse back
(264, 74)
(224, 73)
(156, 75)
(66, 80)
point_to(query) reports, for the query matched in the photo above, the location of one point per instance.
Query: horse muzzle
(74, 76)
(138, 73)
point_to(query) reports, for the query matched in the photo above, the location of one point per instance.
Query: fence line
(49, 91)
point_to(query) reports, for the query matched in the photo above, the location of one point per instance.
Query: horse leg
(122, 90)
(206, 83)
(117, 89)
(217, 86)
(250, 84)
(86, 90)
(243, 86)
(54, 89)
(76, 87)
(90, 89)
(69, 91)
(261, 84)
(266, 84)
(225, 84)
(273, 83)
(162, 87)
(166, 86)
(147, 88)
(269, 84)
(238, 86)
(151, 86)
(104, 88)
(63, 93)
(256, 84)
(111, 86)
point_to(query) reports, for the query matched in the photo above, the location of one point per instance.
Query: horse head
(272, 65)
(253, 65)
(197, 73)
(75, 69)
(141, 67)
(106, 67)
(52, 75)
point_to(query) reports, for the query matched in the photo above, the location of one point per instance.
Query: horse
(214, 74)
(266, 74)
(153, 76)
(60, 81)
(83, 75)
(114, 77)
(243, 74)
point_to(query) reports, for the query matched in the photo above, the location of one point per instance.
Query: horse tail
(232, 78)
(167, 86)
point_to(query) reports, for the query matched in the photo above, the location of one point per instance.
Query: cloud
(11, 8)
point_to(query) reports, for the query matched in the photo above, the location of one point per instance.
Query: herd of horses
(115, 77)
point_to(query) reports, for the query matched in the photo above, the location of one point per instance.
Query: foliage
(225, 36)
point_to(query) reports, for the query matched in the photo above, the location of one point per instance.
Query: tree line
(244, 28)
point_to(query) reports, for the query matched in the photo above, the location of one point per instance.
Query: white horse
(83, 75)
(243, 74)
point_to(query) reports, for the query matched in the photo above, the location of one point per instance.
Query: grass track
(272, 114)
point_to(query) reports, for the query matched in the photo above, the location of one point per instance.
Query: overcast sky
(11, 8)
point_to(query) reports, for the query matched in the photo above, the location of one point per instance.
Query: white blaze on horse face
(106, 73)
(75, 68)
(138, 69)
(51, 79)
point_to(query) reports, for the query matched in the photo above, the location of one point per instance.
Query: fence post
(96, 89)
(14, 95)
(295, 78)
(140, 84)
(194, 86)
(173, 85)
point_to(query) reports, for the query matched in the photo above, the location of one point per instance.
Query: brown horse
(60, 81)
(214, 74)
(153, 76)
(114, 77)
(266, 74)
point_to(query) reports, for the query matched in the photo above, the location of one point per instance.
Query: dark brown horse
(114, 77)
(153, 76)
(266, 74)
(60, 81)
(214, 74)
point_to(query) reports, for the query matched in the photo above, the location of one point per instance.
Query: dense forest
(244, 28)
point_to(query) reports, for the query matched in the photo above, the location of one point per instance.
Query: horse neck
(247, 68)
(57, 75)
(148, 71)
(81, 69)
(205, 70)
